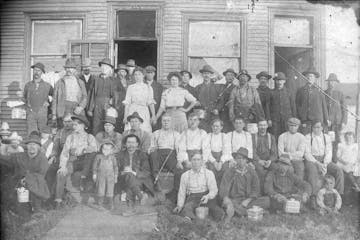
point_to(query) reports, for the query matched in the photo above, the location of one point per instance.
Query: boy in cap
(37, 95)
(105, 173)
(240, 187)
(281, 184)
(328, 199)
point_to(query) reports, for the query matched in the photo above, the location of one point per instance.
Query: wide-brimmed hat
(231, 70)
(13, 137)
(86, 63)
(285, 158)
(150, 69)
(106, 61)
(122, 67)
(332, 78)
(70, 63)
(263, 74)
(206, 68)
(186, 71)
(293, 121)
(34, 137)
(130, 63)
(244, 72)
(243, 152)
(81, 118)
(40, 66)
(5, 129)
(135, 115)
(311, 70)
(110, 120)
(279, 76)
(107, 141)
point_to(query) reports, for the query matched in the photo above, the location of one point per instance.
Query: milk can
(255, 213)
(202, 212)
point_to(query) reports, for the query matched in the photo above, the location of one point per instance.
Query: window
(49, 41)
(216, 43)
(136, 24)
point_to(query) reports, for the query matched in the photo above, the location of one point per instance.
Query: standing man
(37, 93)
(102, 95)
(337, 109)
(245, 101)
(70, 94)
(86, 76)
(311, 103)
(282, 105)
(121, 85)
(264, 93)
(208, 95)
(230, 75)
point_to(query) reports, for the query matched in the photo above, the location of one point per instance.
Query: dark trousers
(224, 116)
(36, 121)
(158, 157)
(279, 127)
(299, 168)
(50, 176)
(133, 185)
(336, 128)
(101, 105)
(193, 201)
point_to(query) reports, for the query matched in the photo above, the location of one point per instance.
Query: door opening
(143, 52)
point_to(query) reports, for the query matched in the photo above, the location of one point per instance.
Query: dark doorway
(143, 52)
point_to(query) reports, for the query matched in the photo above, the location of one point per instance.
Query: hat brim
(131, 117)
(34, 66)
(128, 65)
(69, 66)
(5, 133)
(32, 141)
(224, 73)
(205, 70)
(268, 76)
(278, 79)
(105, 64)
(238, 76)
(317, 75)
(118, 69)
(84, 121)
(109, 121)
(241, 154)
(332, 80)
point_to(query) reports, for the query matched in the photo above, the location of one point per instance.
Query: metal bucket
(22, 195)
(202, 212)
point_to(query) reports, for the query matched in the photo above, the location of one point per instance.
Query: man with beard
(36, 94)
(29, 170)
(86, 76)
(70, 94)
(264, 92)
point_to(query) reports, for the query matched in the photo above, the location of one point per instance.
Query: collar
(242, 172)
(201, 171)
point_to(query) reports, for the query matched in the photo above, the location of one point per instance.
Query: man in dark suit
(230, 75)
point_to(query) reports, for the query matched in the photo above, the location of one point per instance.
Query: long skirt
(144, 113)
(178, 120)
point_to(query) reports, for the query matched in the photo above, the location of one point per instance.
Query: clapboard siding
(13, 37)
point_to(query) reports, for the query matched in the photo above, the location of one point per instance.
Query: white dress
(138, 97)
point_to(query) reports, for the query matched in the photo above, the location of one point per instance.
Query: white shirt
(318, 148)
(238, 140)
(293, 144)
(162, 139)
(48, 151)
(193, 140)
(349, 154)
(220, 143)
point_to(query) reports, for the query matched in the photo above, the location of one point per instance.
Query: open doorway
(143, 52)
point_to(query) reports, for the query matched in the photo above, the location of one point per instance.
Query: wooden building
(169, 34)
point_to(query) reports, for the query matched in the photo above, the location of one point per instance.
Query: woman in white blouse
(172, 101)
(139, 98)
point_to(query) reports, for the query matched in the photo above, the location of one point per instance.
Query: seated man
(220, 150)
(29, 170)
(135, 124)
(240, 138)
(77, 156)
(319, 161)
(293, 144)
(265, 151)
(134, 171)
(163, 149)
(198, 187)
(240, 187)
(282, 184)
(110, 133)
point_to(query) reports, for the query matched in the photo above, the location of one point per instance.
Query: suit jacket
(89, 84)
(208, 96)
(109, 91)
(337, 110)
(282, 105)
(157, 89)
(265, 94)
(140, 163)
(311, 104)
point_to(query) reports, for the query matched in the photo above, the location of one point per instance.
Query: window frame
(46, 16)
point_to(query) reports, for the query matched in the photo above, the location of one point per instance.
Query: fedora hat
(86, 63)
(130, 63)
(106, 141)
(332, 77)
(231, 70)
(81, 118)
(70, 63)
(110, 120)
(106, 61)
(244, 72)
(150, 69)
(135, 115)
(34, 137)
(186, 71)
(293, 121)
(263, 74)
(206, 68)
(122, 67)
(5, 129)
(279, 76)
(242, 152)
(40, 66)
(311, 70)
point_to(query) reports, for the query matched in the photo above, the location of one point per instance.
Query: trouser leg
(338, 174)
(110, 182)
(263, 202)
(31, 121)
(42, 117)
(215, 210)
(313, 176)
(261, 172)
(60, 185)
(299, 168)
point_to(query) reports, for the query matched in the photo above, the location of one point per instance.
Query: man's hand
(183, 110)
(53, 117)
(78, 110)
(62, 171)
(343, 126)
(267, 163)
(250, 164)
(90, 113)
(246, 202)
(177, 209)
(153, 120)
(303, 125)
(215, 112)
(279, 197)
(328, 123)
(204, 199)
(179, 165)
(262, 162)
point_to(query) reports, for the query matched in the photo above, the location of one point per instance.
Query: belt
(173, 108)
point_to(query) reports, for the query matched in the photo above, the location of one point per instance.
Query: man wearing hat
(109, 133)
(135, 123)
(240, 187)
(29, 169)
(245, 101)
(264, 92)
(209, 96)
(185, 83)
(86, 76)
(293, 144)
(282, 105)
(102, 95)
(230, 75)
(130, 66)
(77, 156)
(337, 109)
(70, 94)
(121, 85)
(311, 103)
(282, 184)
(37, 95)
(150, 72)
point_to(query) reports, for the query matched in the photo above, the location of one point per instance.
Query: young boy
(328, 198)
(347, 155)
(105, 173)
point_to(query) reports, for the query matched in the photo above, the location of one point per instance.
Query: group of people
(113, 135)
